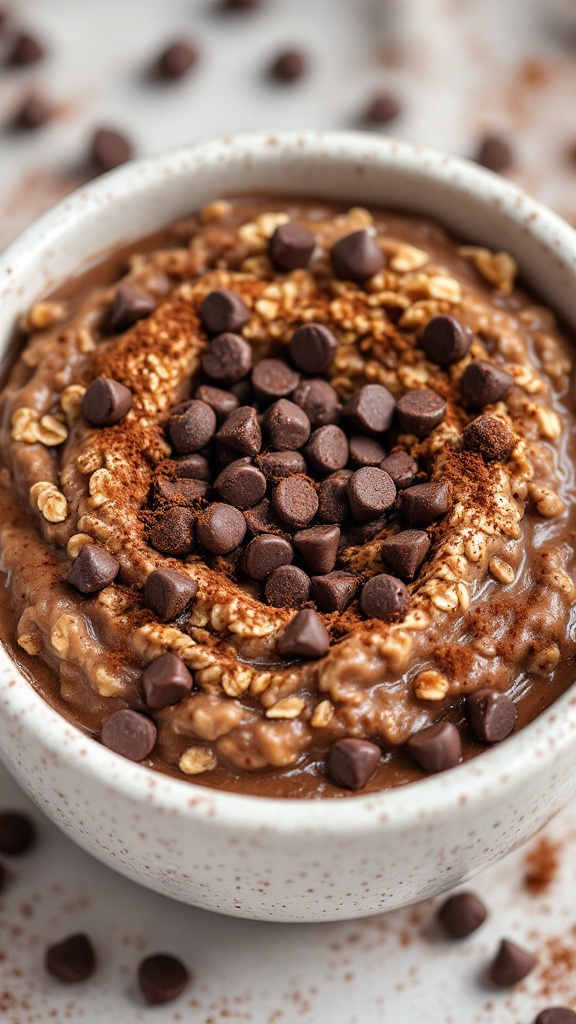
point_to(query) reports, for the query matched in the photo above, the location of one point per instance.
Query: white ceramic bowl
(288, 860)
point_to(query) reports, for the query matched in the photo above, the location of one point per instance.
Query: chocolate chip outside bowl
(288, 860)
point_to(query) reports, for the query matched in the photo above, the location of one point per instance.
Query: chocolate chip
(445, 341)
(25, 50)
(241, 433)
(462, 914)
(194, 467)
(305, 636)
(556, 1015)
(291, 246)
(333, 504)
(172, 532)
(17, 833)
(420, 410)
(362, 533)
(2, 877)
(93, 569)
(221, 528)
(109, 149)
(105, 402)
(318, 546)
(165, 681)
(162, 978)
(223, 311)
(176, 60)
(351, 763)
(436, 748)
(288, 66)
(312, 348)
(264, 554)
(128, 306)
(357, 256)
(272, 379)
(227, 358)
(491, 715)
(168, 592)
(71, 960)
(296, 502)
(371, 409)
(327, 449)
(370, 493)
(401, 468)
(278, 465)
(287, 424)
(382, 109)
(334, 592)
(365, 451)
(287, 587)
(129, 733)
(423, 503)
(384, 597)
(483, 383)
(511, 964)
(191, 426)
(223, 402)
(243, 391)
(319, 401)
(494, 152)
(240, 5)
(241, 484)
(187, 489)
(405, 552)
(490, 437)
(260, 519)
(33, 113)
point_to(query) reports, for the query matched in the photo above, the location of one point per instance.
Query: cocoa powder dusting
(541, 865)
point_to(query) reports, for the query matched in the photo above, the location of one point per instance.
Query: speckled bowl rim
(476, 782)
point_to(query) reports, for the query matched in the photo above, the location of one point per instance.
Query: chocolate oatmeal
(288, 500)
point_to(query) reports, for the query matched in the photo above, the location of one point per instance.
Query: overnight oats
(287, 500)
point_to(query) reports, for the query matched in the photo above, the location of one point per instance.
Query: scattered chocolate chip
(2, 877)
(491, 715)
(490, 437)
(556, 1015)
(420, 410)
(382, 109)
(436, 748)
(193, 467)
(168, 592)
(287, 424)
(305, 636)
(172, 532)
(405, 552)
(241, 484)
(223, 311)
(105, 402)
(128, 306)
(370, 493)
(109, 149)
(333, 504)
(334, 592)
(223, 402)
(261, 519)
(327, 449)
(273, 379)
(401, 468)
(243, 392)
(25, 50)
(423, 503)
(71, 960)
(296, 502)
(227, 358)
(221, 528)
(191, 426)
(494, 152)
(483, 383)
(264, 554)
(312, 348)
(319, 401)
(287, 587)
(288, 66)
(511, 964)
(365, 451)
(351, 763)
(278, 465)
(371, 409)
(291, 246)
(165, 681)
(240, 5)
(318, 546)
(240, 433)
(129, 733)
(445, 341)
(162, 978)
(462, 914)
(17, 833)
(384, 597)
(33, 113)
(93, 569)
(357, 256)
(176, 60)
(187, 489)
